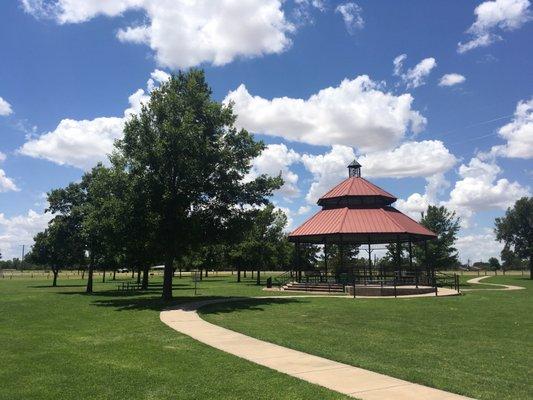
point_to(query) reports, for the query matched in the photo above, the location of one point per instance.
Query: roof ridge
(343, 220)
(374, 187)
(402, 229)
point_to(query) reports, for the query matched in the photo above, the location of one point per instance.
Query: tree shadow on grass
(244, 303)
(56, 287)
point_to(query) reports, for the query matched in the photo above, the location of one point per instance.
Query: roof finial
(354, 169)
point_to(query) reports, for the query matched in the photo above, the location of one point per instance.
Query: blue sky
(318, 86)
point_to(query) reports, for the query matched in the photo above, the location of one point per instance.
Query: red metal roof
(386, 220)
(356, 186)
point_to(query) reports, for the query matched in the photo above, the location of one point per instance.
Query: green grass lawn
(478, 344)
(58, 343)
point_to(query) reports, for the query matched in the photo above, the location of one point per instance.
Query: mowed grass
(58, 343)
(477, 345)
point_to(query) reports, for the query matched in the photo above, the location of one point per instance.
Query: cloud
(411, 159)
(414, 206)
(451, 79)
(479, 189)
(416, 76)
(327, 169)
(357, 112)
(76, 143)
(428, 159)
(351, 15)
(19, 230)
(5, 108)
(6, 184)
(495, 16)
(518, 133)
(478, 247)
(186, 33)
(276, 159)
(418, 203)
(83, 143)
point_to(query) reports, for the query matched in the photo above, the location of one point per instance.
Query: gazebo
(357, 212)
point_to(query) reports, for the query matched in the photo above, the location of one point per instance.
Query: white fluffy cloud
(185, 33)
(274, 160)
(414, 205)
(19, 230)
(357, 112)
(518, 133)
(83, 143)
(6, 184)
(327, 169)
(411, 159)
(416, 76)
(428, 159)
(478, 247)
(451, 79)
(494, 16)
(417, 203)
(480, 190)
(77, 143)
(351, 15)
(5, 108)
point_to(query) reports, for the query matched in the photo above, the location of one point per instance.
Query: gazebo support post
(341, 255)
(426, 262)
(369, 260)
(411, 261)
(398, 258)
(326, 260)
(298, 268)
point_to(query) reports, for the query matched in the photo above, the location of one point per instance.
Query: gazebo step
(314, 287)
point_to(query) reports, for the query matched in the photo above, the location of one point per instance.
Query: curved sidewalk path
(353, 381)
(499, 286)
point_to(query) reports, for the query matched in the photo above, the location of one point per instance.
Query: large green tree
(441, 253)
(96, 204)
(185, 148)
(515, 229)
(262, 247)
(59, 246)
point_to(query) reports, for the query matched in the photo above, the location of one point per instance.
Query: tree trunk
(146, 271)
(103, 276)
(238, 275)
(90, 276)
(258, 282)
(83, 274)
(115, 274)
(531, 266)
(138, 275)
(55, 271)
(244, 273)
(132, 273)
(206, 273)
(167, 278)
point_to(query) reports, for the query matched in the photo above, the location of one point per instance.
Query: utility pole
(22, 259)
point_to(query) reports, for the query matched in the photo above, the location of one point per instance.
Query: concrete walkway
(498, 286)
(342, 378)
